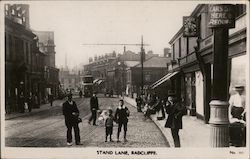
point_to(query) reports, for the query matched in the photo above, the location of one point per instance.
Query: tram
(87, 85)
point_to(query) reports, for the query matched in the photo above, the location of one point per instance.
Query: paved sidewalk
(195, 132)
(34, 110)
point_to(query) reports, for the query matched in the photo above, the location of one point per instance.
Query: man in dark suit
(121, 117)
(71, 114)
(175, 112)
(93, 108)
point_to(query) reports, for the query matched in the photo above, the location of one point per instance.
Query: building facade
(25, 71)
(194, 83)
(98, 68)
(51, 73)
(23, 60)
(154, 68)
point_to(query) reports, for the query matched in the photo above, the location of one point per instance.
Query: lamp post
(221, 19)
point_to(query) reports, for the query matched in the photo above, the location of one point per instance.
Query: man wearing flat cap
(71, 114)
(175, 112)
(237, 103)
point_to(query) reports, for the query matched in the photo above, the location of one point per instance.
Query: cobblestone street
(47, 129)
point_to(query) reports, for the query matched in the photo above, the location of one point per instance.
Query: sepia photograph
(124, 79)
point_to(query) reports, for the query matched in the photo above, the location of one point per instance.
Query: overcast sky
(75, 23)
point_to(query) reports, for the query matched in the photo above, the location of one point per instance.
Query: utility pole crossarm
(84, 44)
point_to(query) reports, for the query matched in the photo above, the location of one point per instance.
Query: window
(179, 47)
(11, 47)
(240, 9)
(13, 12)
(6, 43)
(173, 51)
(6, 9)
(205, 31)
(27, 52)
(147, 77)
(238, 71)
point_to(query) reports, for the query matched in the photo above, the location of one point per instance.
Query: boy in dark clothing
(121, 117)
(71, 114)
(109, 126)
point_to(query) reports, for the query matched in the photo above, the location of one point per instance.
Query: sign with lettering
(221, 15)
(190, 27)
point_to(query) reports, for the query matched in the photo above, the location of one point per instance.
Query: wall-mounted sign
(221, 15)
(190, 27)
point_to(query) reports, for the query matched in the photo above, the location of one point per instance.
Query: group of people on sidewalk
(29, 101)
(176, 109)
(171, 106)
(71, 114)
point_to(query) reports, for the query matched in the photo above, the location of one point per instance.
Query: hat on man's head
(70, 95)
(239, 88)
(171, 93)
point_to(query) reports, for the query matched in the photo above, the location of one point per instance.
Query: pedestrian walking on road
(175, 112)
(71, 114)
(21, 101)
(29, 101)
(109, 125)
(51, 99)
(138, 103)
(93, 107)
(80, 93)
(121, 117)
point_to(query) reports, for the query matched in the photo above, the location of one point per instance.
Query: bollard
(219, 123)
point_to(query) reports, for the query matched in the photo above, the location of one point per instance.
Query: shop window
(238, 72)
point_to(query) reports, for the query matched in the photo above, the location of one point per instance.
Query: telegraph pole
(142, 60)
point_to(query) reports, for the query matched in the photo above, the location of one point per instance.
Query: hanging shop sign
(190, 27)
(221, 15)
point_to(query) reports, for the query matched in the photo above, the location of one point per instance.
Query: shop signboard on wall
(190, 27)
(221, 15)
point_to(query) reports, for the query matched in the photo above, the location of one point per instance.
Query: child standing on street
(109, 125)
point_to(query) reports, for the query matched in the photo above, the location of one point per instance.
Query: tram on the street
(87, 85)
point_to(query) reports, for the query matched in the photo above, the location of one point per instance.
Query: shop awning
(163, 79)
(96, 80)
(99, 82)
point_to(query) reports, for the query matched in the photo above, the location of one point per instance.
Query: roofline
(143, 61)
(195, 11)
(149, 59)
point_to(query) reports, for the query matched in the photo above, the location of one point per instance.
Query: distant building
(46, 45)
(69, 80)
(51, 73)
(154, 68)
(98, 68)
